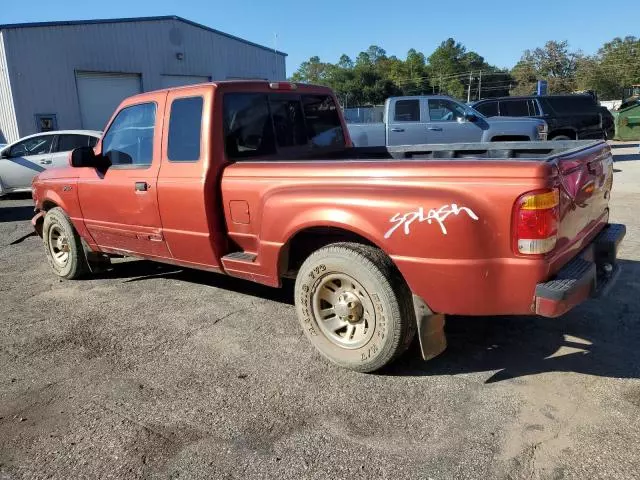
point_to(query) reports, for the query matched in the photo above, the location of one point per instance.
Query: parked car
(22, 160)
(440, 119)
(570, 117)
(257, 180)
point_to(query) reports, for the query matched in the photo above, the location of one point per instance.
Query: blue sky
(499, 30)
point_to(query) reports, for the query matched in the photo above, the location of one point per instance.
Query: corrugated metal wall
(43, 61)
(8, 125)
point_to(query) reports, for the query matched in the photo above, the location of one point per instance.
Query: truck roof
(248, 84)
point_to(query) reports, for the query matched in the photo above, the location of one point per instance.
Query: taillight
(535, 222)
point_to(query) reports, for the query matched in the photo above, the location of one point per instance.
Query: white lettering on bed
(438, 215)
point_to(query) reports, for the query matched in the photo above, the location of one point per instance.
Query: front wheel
(63, 245)
(561, 137)
(354, 306)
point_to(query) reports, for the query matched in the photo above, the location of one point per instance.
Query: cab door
(120, 204)
(448, 124)
(407, 126)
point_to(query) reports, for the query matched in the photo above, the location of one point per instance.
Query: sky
(499, 30)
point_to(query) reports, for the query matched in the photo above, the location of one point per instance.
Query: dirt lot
(156, 372)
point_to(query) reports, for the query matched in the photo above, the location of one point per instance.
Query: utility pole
(480, 86)
(469, 88)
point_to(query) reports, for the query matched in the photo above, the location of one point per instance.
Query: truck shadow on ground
(599, 338)
(15, 214)
(141, 270)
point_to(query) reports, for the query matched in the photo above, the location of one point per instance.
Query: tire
(63, 245)
(562, 137)
(374, 322)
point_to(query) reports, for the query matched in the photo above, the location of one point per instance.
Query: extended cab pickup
(259, 181)
(440, 119)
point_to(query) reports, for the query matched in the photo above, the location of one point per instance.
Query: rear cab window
(265, 124)
(185, 129)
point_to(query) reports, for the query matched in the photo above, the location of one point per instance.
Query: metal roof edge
(63, 23)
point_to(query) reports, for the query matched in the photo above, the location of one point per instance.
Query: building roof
(135, 19)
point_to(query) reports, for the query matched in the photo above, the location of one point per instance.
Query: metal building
(68, 75)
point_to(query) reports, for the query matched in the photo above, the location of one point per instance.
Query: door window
(443, 110)
(32, 146)
(407, 111)
(67, 143)
(129, 141)
(185, 125)
(514, 108)
(488, 109)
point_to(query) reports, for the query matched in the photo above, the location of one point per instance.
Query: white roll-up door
(100, 93)
(168, 81)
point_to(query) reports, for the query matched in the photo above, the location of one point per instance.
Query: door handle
(435, 129)
(46, 162)
(397, 129)
(142, 186)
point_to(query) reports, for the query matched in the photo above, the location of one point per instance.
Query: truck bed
(527, 151)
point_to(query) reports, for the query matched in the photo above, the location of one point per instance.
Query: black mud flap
(433, 340)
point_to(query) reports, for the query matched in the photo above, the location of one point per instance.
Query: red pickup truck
(260, 181)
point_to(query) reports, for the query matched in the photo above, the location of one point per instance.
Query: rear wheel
(354, 306)
(63, 245)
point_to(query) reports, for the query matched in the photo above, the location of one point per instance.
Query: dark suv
(570, 117)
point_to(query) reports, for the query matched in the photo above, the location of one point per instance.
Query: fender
(68, 203)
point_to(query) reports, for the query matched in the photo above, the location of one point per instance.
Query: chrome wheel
(58, 246)
(344, 310)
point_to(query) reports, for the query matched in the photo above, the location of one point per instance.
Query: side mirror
(85, 157)
(470, 116)
(4, 153)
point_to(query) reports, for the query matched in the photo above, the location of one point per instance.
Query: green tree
(617, 65)
(554, 62)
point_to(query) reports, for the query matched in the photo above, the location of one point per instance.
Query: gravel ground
(152, 371)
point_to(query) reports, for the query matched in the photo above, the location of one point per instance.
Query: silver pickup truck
(441, 119)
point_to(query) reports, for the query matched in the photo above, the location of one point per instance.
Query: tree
(311, 71)
(554, 63)
(617, 65)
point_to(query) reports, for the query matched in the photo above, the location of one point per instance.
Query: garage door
(100, 93)
(168, 81)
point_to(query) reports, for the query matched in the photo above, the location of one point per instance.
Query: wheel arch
(310, 238)
(567, 131)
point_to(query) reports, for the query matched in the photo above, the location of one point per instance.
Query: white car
(22, 160)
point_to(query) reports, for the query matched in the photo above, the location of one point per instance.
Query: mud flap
(433, 340)
(97, 262)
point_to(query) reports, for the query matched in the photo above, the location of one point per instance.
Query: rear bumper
(591, 274)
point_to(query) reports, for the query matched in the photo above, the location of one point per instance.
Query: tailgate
(585, 180)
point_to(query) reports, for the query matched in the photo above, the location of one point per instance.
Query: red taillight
(282, 86)
(535, 222)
